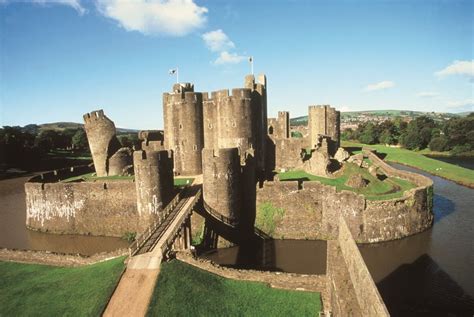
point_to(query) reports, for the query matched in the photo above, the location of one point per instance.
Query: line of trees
(25, 147)
(455, 135)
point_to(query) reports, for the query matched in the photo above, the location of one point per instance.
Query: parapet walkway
(134, 291)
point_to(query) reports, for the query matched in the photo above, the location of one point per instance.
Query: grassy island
(183, 290)
(391, 187)
(460, 175)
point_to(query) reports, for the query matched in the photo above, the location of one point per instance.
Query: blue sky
(62, 58)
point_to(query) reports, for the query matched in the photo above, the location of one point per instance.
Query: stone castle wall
(106, 208)
(312, 210)
(352, 291)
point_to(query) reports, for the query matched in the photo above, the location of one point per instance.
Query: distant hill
(389, 114)
(60, 126)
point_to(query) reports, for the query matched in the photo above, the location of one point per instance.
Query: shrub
(439, 144)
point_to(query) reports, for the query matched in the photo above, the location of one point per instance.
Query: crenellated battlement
(95, 116)
(152, 157)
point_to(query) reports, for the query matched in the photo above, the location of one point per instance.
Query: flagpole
(177, 75)
(251, 64)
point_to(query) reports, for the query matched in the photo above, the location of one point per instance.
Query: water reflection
(295, 256)
(15, 235)
(446, 248)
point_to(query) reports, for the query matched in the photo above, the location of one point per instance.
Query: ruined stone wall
(154, 183)
(351, 287)
(312, 210)
(152, 140)
(103, 142)
(183, 121)
(288, 152)
(324, 120)
(106, 208)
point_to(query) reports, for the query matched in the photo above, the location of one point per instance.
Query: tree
(369, 134)
(79, 140)
(439, 144)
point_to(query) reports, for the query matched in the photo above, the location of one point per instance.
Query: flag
(172, 71)
(250, 59)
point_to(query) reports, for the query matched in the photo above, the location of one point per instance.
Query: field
(183, 290)
(388, 188)
(41, 290)
(452, 172)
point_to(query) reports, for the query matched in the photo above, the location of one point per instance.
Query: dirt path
(133, 294)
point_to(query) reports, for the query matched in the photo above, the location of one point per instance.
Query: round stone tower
(154, 183)
(120, 162)
(233, 120)
(222, 182)
(103, 142)
(183, 121)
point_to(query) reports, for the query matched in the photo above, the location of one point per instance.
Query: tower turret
(183, 120)
(154, 183)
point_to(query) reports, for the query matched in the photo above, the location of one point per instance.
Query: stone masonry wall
(98, 208)
(312, 210)
(351, 287)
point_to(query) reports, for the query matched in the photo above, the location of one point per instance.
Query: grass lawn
(41, 290)
(180, 182)
(453, 172)
(376, 189)
(183, 290)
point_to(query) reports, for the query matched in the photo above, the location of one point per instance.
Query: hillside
(61, 126)
(378, 115)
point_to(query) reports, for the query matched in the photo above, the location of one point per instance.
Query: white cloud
(217, 41)
(229, 58)
(381, 85)
(463, 68)
(170, 17)
(75, 4)
(461, 106)
(427, 94)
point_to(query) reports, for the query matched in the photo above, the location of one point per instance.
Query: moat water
(428, 274)
(15, 235)
(467, 162)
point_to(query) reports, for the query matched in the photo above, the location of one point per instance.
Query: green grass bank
(41, 290)
(183, 290)
(389, 188)
(460, 175)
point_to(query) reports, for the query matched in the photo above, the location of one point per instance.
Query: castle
(227, 137)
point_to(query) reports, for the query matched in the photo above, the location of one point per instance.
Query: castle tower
(183, 120)
(152, 140)
(324, 120)
(222, 181)
(103, 142)
(154, 183)
(282, 128)
(259, 100)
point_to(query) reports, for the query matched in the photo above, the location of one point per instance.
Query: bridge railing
(144, 236)
(231, 222)
(172, 236)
